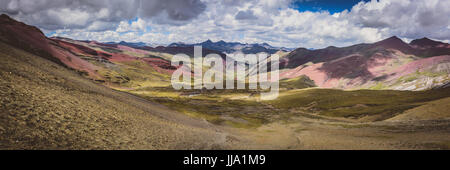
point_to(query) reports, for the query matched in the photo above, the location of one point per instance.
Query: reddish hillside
(113, 53)
(365, 65)
(32, 40)
(23, 36)
(394, 43)
(427, 43)
(302, 55)
(85, 57)
(425, 47)
(421, 48)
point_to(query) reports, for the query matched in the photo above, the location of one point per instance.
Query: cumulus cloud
(251, 21)
(405, 18)
(245, 15)
(58, 14)
(138, 25)
(178, 10)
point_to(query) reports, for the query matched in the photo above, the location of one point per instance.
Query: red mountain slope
(32, 40)
(368, 65)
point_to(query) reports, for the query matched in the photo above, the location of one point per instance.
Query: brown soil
(46, 106)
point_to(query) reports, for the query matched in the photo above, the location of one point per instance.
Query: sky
(332, 6)
(282, 23)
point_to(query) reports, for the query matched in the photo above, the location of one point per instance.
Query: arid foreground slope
(47, 106)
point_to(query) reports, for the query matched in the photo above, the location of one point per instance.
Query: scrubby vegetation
(358, 103)
(46, 106)
(297, 83)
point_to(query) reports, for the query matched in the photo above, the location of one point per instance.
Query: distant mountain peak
(4, 16)
(394, 42)
(11, 22)
(423, 39)
(331, 47)
(425, 42)
(7, 19)
(393, 39)
(231, 47)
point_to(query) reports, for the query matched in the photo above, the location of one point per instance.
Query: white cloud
(123, 27)
(251, 21)
(138, 25)
(405, 18)
(79, 14)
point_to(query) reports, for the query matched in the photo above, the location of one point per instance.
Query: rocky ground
(47, 106)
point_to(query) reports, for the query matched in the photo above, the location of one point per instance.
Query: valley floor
(311, 134)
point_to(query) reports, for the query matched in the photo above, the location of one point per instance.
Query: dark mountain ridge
(232, 47)
(421, 48)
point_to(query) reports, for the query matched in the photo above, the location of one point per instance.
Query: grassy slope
(215, 106)
(435, 110)
(356, 104)
(223, 108)
(46, 106)
(125, 74)
(237, 108)
(139, 74)
(297, 83)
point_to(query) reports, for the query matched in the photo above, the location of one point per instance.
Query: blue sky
(331, 6)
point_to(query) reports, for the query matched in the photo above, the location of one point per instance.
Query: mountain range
(60, 93)
(232, 47)
(130, 44)
(218, 47)
(387, 64)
